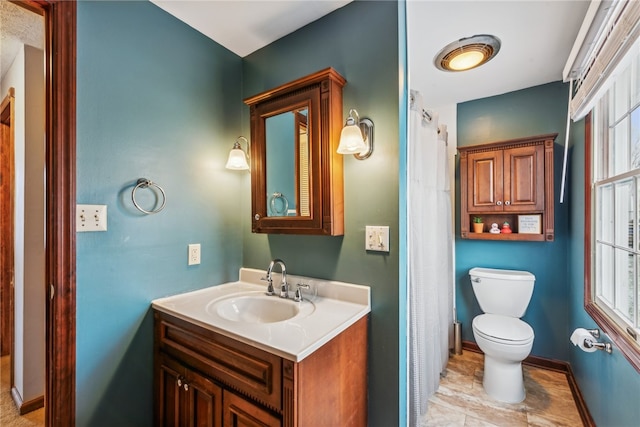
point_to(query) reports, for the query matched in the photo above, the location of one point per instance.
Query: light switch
(91, 218)
(377, 238)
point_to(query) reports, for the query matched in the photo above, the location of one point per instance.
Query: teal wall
(533, 111)
(367, 56)
(609, 384)
(155, 99)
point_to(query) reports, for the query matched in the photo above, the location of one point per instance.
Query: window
(613, 208)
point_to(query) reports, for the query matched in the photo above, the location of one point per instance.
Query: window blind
(614, 38)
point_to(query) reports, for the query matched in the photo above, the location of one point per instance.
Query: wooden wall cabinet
(502, 180)
(229, 383)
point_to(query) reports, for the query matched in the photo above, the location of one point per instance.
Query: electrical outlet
(91, 218)
(376, 238)
(194, 254)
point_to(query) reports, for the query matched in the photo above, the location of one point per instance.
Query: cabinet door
(169, 393)
(484, 191)
(524, 179)
(186, 398)
(203, 402)
(239, 412)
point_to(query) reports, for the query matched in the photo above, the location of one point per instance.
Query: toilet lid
(503, 328)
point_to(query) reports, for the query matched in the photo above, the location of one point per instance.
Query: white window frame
(602, 171)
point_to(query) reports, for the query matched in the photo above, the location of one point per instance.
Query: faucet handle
(267, 279)
(298, 295)
(284, 289)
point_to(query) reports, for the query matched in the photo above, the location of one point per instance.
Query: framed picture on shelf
(529, 224)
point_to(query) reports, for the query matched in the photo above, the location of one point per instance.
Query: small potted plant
(478, 225)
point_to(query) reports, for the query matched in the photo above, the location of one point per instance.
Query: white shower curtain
(430, 269)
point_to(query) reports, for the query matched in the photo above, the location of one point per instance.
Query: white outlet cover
(376, 238)
(193, 254)
(91, 218)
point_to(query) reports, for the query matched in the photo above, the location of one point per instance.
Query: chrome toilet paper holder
(605, 346)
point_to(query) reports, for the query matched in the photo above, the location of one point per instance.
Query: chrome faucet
(284, 286)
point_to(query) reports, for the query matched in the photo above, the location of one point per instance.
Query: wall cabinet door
(485, 174)
(523, 179)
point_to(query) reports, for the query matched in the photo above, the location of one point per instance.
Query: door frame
(60, 88)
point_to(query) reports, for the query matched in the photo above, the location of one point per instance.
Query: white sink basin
(255, 308)
(292, 330)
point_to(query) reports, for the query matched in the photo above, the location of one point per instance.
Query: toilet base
(503, 380)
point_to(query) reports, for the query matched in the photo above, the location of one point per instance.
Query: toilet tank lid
(494, 273)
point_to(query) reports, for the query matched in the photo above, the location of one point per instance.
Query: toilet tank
(505, 292)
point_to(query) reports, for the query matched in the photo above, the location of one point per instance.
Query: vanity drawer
(243, 368)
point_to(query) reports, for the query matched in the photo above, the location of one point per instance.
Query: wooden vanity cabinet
(234, 384)
(501, 180)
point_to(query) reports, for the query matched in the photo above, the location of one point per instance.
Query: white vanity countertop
(337, 306)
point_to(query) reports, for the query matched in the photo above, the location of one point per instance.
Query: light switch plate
(91, 218)
(377, 238)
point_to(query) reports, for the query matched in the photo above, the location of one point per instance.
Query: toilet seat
(503, 329)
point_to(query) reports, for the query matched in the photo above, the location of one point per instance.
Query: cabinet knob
(507, 203)
(257, 217)
(186, 386)
(499, 203)
(179, 382)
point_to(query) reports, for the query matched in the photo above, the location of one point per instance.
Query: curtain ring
(146, 183)
(285, 206)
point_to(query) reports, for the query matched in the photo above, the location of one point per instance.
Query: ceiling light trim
(486, 45)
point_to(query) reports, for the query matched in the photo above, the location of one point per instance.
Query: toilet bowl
(503, 354)
(504, 339)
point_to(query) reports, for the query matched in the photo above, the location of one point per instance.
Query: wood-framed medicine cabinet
(296, 172)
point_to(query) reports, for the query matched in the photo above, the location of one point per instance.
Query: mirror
(287, 144)
(296, 173)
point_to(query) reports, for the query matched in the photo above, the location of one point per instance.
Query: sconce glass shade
(356, 137)
(237, 157)
(351, 140)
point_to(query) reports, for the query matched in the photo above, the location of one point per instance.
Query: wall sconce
(356, 137)
(238, 159)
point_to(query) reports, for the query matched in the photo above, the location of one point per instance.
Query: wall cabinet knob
(186, 386)
(499, 203)
(179, 382)
(507, 203)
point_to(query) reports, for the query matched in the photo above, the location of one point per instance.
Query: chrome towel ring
(146, 183)
(285, 204)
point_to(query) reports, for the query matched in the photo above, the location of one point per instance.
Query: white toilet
(506, 340)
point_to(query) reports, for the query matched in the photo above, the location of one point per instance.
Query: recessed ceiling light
(467, 53)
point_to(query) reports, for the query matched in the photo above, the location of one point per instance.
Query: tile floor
(461, 400)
